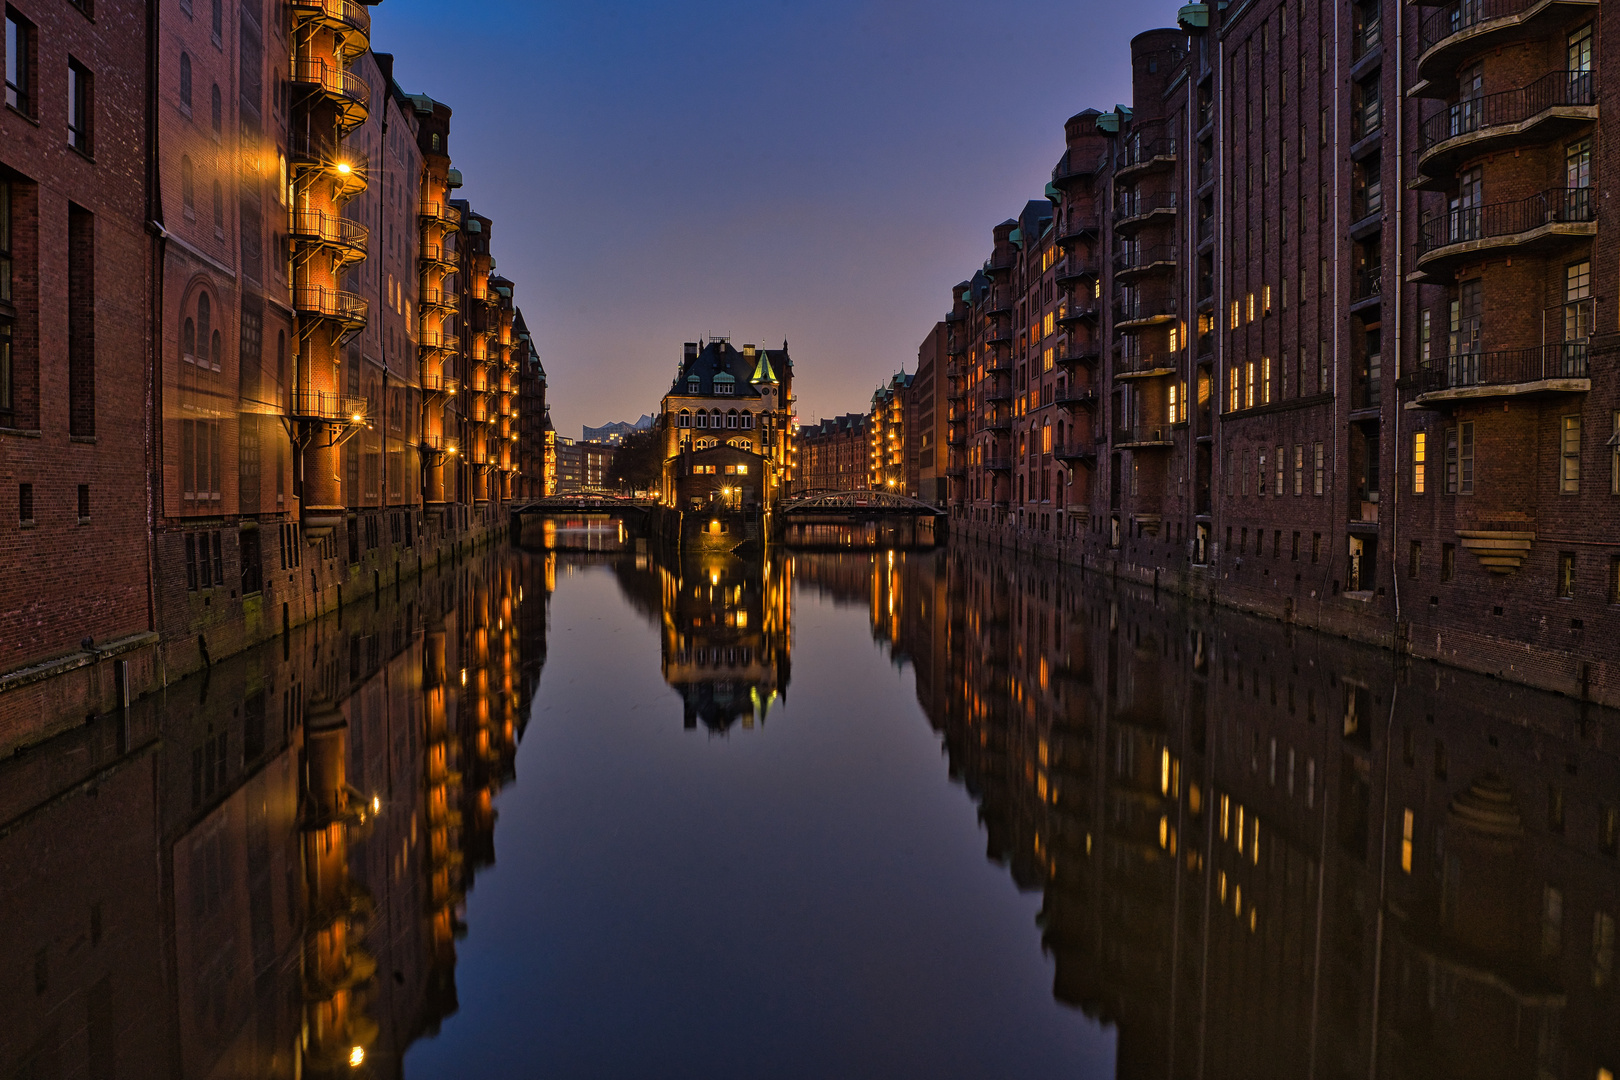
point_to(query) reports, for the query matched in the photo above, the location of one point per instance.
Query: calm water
(935, 815)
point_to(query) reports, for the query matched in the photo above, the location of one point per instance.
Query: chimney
(748, 351)
(691, 351)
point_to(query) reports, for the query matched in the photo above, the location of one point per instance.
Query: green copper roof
(724, 377)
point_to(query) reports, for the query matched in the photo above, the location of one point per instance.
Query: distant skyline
(659, 172)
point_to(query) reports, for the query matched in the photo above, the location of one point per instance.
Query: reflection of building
(1265, 854)
(291, 837)
(726, 631)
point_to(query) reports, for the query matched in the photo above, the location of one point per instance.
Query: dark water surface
(860, 815)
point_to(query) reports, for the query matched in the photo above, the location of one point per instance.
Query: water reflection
(1268, 853)
(262, 871)
(1260, 852)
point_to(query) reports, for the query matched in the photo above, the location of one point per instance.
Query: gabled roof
(719, 362)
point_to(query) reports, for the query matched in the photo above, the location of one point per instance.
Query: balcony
(347, 239)
(1140, 262)
(997, 364)
(436, 299)
(1141, 211)
(1074, 170)
(1151, 365)
(1143, 437)
(328, 406)
(1550, 108)
(1142, 314)
(1003, 393)
(1085, 309)
(1077, 354)
(340, 15)
(441, 214)
(1543, 222)
(1464, 28)
(1074, 269)
(1141, 156)
(1071, 398)
(1366, 286)
(435, 383)
(999, 422)
(1075, 228)
(998, 464)
(319, 302)
(437, 341)
(1547, 369)
(1075, 452)
(345, 166)
(1001, 264)
(441, 256)
(348, 91)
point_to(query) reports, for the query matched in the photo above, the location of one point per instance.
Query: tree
(639, 462)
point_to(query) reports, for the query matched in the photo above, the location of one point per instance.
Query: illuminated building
(725, 398)
(889, 464)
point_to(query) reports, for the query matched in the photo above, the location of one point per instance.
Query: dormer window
(694, 385)
(724, 388)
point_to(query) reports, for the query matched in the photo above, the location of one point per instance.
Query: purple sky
(821, 172)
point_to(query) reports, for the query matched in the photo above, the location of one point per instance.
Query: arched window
(746, 420)
(219, 210)
(731, 418)
(185, 81)
(685, 419)
(205, 319)
(188, 341)
(216, 106)
(188, 192)
(435, 142)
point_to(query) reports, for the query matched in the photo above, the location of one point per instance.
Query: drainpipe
(1399, 296)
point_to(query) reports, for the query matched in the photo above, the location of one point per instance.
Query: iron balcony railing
(1141, 309)
(1367, 283)
(1128, 363)
(436, 298)
(1555, 90)
(998, 464)
(1461, 15)
(1142, 258)
(1555, 206)
(1562, 360)
(307, 151)
(339, 12)
(1074, 451)
(442, 213)
(1141, 434)
(1143, 151)
(1140, 206)
(442, 254)
(327, 405)
(334, 81)
(321, 227)
(322, 302)
(439, 342)
(435, 383)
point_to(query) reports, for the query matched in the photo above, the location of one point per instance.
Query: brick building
(314, 367)
(725, 397)
(582, 464)
(75, 296)
(530, 479)
(1266, 333)
(890, 460)
(833, 455)
(930, 409)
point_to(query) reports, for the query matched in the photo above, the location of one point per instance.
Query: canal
(861, 814)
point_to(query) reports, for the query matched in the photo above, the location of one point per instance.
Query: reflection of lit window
(1406, 842)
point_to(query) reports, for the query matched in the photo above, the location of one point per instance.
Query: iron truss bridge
(587, 501)
(858, 504)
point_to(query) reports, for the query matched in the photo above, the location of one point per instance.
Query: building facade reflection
(725, 630)
(268, 862)
(1262, 852)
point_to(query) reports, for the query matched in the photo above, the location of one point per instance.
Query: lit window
(1420, 459)
(1406, 842)
(1569, 475)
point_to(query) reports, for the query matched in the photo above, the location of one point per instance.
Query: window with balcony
(1467, 319)
(1366, 109)
(19, 63)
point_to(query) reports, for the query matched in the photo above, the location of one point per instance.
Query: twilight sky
(661, 170)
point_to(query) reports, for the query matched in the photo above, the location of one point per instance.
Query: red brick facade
(1267, 335)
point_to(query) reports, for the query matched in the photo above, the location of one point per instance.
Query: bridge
(859, 519)
(586, 501)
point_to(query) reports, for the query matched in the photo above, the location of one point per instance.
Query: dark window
(252, 563)
(185, 82)
(1415, 562)
(1555, 808)
(191, 562)
(84, 502)
(219, 23)
(219, 560)
(81, 302)
(25, 503)
(1609, 830)
(188, 188)
(19, 62)
(1448, 561)
(79, 106)
(216, 111)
